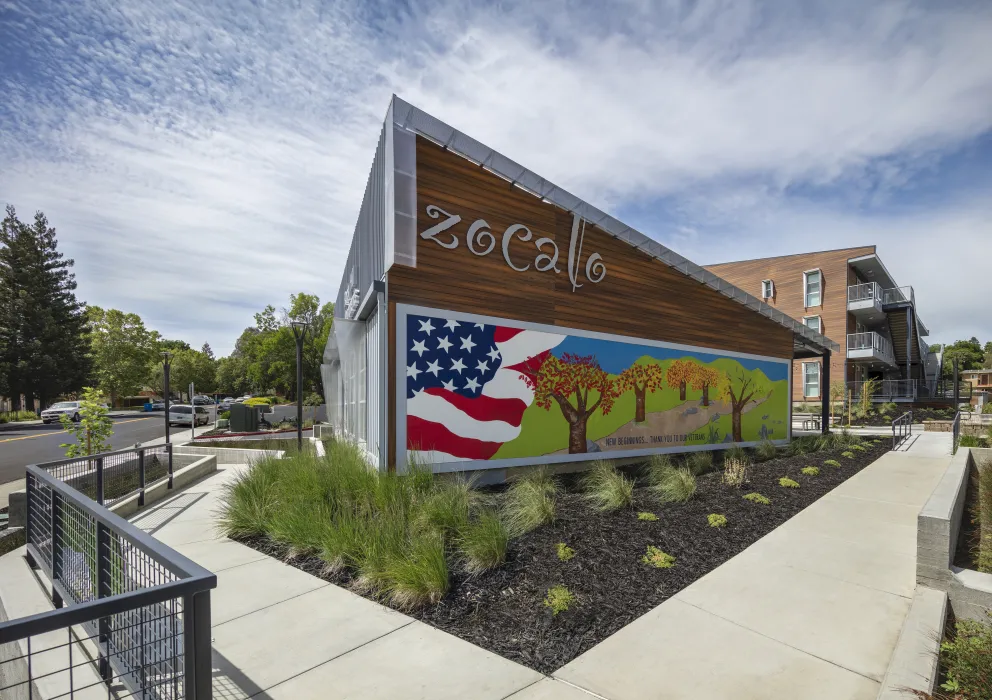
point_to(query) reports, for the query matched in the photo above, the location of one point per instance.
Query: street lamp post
(299, 331)
(166, 364)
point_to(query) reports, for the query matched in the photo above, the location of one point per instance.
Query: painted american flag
(464, 386)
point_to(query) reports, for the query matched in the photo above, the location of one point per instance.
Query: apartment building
(849, 296)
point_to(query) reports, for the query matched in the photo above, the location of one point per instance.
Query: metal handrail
(888, 389)
(904, 425)
(869, 340)
(956, 432)
(866, 291)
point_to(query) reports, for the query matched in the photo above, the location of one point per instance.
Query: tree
(94, 429)
(968, 353)
(192, 366)
(705, 379)
(739, 388)
(680, 374)
(208, 351)
(640, 378)
(42, 325)
(172, 345)
(838, 392)
(122, 349)
(572, 376)
(987, 361)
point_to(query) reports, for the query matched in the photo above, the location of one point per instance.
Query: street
(40, 443)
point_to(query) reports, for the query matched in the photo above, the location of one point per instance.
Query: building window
(813, 323)
(811, 287)
(811, 380)
(767, 289)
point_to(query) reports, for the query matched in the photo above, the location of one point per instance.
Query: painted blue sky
(203, 159)
(615, 357)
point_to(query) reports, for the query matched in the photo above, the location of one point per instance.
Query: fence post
(99, 480)
(57, 540)
(196, 646)
(31, 494)
(168, 447)
(104, 590)
(141, 476)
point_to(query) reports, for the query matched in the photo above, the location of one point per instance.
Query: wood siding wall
(787, 274)
(639, 297)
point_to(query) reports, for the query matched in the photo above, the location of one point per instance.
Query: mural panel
(486, 390)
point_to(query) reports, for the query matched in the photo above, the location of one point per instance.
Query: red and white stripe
(442, 426)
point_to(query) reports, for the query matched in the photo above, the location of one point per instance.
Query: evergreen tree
(43, 352)
(208, 351)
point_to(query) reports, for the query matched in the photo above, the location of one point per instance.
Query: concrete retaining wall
(231, 455)
(938, 527)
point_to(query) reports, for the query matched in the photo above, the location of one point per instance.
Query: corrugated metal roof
(409, 117)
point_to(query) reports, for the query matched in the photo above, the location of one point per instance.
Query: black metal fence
(902, 428)
(133, 615)
(110, 477)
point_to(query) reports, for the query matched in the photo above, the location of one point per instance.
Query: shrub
(848, 454)
(483, 542)
(756, 497)
(700, 462)
(765, 450)
(832, 463)
(675, 486)
(887, 407)
(419, 575)
(736, 471)
(647, 516)
(559, 599)
(736, 452)
(530, 503)
(313, 399)
(788, 483)
(969, 441)
(565, 552)
(811, 471)
(224, 415)
(859, 448)
(657, 558)
(258, 401)
(987, 408)
(967, 658)
(606, 488)
(717, 520)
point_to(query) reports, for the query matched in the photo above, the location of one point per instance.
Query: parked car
(225, 404)
(54, 412)
(183, 415)
(203, 401)
(158, 405)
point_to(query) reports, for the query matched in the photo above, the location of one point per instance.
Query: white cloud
(203, 159)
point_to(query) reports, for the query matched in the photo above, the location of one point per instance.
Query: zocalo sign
(482, 241)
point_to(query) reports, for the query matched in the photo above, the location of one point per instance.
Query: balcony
(899, 296)
(865, 299)
(869, 346)
(886, 390)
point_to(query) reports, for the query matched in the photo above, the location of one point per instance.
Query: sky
(203, 159)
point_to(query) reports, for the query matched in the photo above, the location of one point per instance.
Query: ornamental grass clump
(765, 450)
(559, 599)
(700, 462)
(756, 497)
(811, 471)
(788, 483)
(736, 472)
(675, 485)
(647, 516)
(530, 503)
(483, 542)
(716, 520)
(657, 558)
(248, 503)
(606, 488)
(832, 463)
(565, 552)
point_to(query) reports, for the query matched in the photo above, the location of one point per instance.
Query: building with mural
(488, 319)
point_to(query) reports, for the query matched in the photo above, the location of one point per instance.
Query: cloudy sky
(203, 159)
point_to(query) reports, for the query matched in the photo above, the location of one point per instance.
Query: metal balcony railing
(880, 347)
(898, 295)
(870, 291)
(887, 390)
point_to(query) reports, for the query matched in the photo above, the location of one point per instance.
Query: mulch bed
(503, 610)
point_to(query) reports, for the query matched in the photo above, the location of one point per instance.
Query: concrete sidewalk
(812, 610)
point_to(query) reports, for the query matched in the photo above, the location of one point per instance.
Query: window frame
(819, 322)
(771, 289)
(819, 293)
(806, 383)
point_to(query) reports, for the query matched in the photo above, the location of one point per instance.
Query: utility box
(244, 419)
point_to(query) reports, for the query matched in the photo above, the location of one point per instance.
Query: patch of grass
(736, 472)
(530, 503)
(647, 516)
(675, 486)
(657, 558)
(832, 463)
(765, 450)
(756, 497)
(565, 552)
(848, 454)
(716, 520)
(559, 599)
(967, 658)
(811, 471)
(700, 462)
(788, 483)
(484, 542)
(606, 488)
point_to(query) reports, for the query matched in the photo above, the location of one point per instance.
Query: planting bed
(504, 611)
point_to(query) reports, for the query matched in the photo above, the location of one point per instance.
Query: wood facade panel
(786, 273)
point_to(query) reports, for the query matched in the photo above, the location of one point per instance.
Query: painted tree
(706, 379)
(680, 374)
(572, 378)
(641, 378)
(739, 387)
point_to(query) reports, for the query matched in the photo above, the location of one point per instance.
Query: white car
(53, 413)
(183, 415)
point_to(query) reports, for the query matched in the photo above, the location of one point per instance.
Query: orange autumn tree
(739, 388)
(706, 379)
(680, 374)
(641, 378)
(568, 382)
